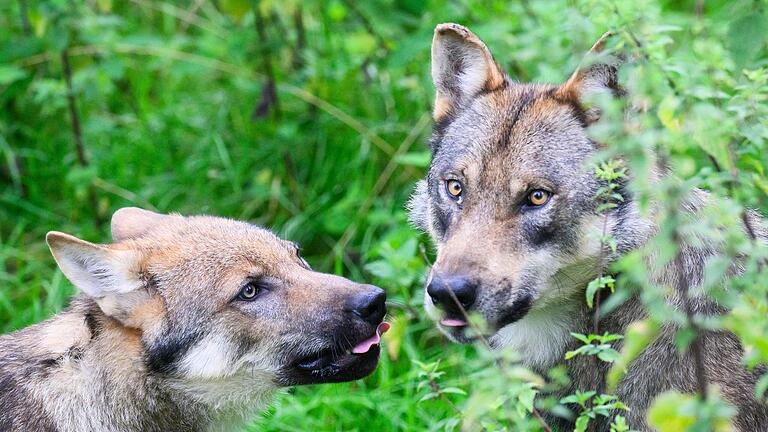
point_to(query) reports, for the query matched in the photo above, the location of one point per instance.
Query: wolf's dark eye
(538, 197)
(454, 188)
(249, 291)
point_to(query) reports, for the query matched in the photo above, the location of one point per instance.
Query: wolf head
(219, 301)
(509, 197)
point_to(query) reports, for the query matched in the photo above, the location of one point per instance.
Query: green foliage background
(167, 97)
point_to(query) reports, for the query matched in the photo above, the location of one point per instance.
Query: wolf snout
(368, 305)
(451, 291)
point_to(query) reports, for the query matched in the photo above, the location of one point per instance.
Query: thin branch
(600, 272)
(15, 167)
(192, 11)
(24, 18)
(184, 16)
(435, 387)
(73, 115)
(77, 133)
(733, 184)
(301, 41)
(268, 101)
(640, 47)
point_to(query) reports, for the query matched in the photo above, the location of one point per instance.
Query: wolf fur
(527, 267)
(160, 339)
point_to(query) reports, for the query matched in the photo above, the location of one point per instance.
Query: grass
(166, 94)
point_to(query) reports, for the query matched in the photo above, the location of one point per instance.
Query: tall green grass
(166, 91)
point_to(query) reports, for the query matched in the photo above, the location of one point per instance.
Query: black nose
(443, 288)
(369, 305)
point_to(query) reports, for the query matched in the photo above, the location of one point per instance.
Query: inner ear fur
(462, 67)
(111, 275)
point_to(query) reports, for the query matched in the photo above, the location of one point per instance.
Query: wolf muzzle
(455, 294)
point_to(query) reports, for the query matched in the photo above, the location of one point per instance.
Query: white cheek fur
(539, 338)
(211, 357)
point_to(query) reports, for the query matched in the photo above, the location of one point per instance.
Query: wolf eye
(249, 291)
(538, 197)
(454, 188)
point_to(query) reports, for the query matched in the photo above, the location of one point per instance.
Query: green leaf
(665, 413)
(360, 43)
(581, 337)
(746, 37)
(581, 423)
(666, 113)
(429, 396)
(608, 355)
(526, 398)
(761, 387)
(235, 9)
(10, 74)
(597, 284)
(453, 390)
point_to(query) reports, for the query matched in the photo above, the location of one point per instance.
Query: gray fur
(533, 263)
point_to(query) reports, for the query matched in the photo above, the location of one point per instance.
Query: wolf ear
(462, 66)
(109, 276)
(597, 74)
(133, 222)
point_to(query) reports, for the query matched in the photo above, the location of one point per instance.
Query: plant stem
(73, 115)
(600, 272)
(77, 133)
(301, 41)
(268, 101)
(24, 17)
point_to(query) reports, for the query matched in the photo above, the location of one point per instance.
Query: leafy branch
(594, 406)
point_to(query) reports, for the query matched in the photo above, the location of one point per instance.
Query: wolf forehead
(174, 240)
(516, 126)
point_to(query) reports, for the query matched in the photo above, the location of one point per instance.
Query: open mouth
(453, 322)
(339, 365)
(459, 329)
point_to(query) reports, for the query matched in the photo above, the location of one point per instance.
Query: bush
(311, 117)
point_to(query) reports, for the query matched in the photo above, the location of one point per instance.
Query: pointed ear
(597, 74)
(133, 222)
(109, 276)
(462, 66)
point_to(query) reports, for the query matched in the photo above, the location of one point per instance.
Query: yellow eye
(454, 188)
(538, 197)
(249, 291)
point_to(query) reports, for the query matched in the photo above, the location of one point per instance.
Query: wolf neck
(96, 379)
(541, 338)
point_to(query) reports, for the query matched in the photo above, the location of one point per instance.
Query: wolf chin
(183, 324)
(510, 204)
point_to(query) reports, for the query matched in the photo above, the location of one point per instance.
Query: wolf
(509, 202)
(183, 324)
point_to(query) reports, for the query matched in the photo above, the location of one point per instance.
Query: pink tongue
(450, 322)
(365, 346)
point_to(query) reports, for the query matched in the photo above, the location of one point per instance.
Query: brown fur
(160, 339)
